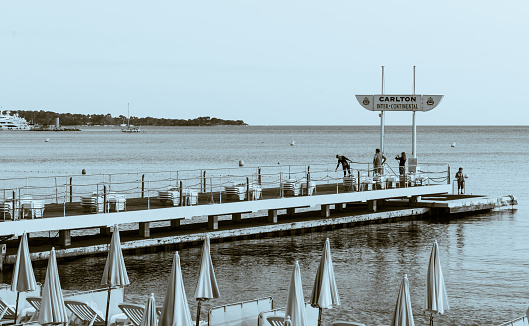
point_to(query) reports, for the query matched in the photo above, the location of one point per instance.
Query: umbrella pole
(431, 319)
(198, 311)
(16, 307)
(319, 317)
(108, 306)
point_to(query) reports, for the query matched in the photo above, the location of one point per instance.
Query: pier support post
(372, 205)
(3, 250)
(236, 217)
(104, 230)
(145, 230)
(415, 199)
(339, 207)
(65, 238)
(291, 211)
(175, 224)
(213, 222)
(272, 216)
(326, 210)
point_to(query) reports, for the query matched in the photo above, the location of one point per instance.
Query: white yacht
(13, 122)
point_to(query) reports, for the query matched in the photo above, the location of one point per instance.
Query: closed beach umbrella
(115, 273)
(150, 317)
(295, 301)
(207, 287)
(52, 309)
(403, 315)
(175, 311)
(436, 300)
(325, 292)
(23, 277)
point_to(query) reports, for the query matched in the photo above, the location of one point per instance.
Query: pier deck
(150, 224)
(189, 233)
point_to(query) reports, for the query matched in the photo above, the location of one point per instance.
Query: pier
(167, 210)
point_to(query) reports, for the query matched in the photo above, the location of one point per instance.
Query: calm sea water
(485, 258)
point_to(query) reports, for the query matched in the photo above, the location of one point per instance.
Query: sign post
(405, 102)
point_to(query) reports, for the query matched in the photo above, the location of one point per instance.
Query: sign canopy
(399, 102)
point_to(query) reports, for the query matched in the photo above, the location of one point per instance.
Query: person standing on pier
(402, 162)
(378, 161)
(345, 164)
(460, 177)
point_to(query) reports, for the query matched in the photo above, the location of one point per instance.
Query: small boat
(453, 144)
(293, 143)
(128, 127)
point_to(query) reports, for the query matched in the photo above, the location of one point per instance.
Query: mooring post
(143, 186)
(71, 190)
(358, 180)
(259, 176)
(448, 176)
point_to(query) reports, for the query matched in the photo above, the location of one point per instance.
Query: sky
(266, 62)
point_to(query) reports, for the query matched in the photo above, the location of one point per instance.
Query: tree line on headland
(44, 118)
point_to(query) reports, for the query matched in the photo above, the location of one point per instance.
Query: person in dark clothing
(460, 177)
(344, 161)
(378, 161)
(402, 162)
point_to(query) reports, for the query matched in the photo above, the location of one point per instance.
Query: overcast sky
(266, 62)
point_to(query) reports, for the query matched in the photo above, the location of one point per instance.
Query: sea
(485, 257)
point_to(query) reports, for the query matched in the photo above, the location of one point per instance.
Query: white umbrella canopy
(403, 316)
(207, 287)
(295, 302)
(23, 277)
(150, 317)
(175, 311)
(115, 273)
(436, 299)
(325, 292)
(52, 309)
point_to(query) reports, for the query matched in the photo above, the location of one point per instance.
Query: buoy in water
(453, 144)
(465, 176)
(47, 140)
(83, 171)
(241, 163)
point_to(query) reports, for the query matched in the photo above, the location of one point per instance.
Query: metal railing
(210, 185)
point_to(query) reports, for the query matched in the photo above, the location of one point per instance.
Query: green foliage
(45, 118)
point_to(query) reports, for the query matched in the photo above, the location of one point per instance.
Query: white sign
(399, 102)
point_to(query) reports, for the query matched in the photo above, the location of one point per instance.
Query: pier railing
(212, 186)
